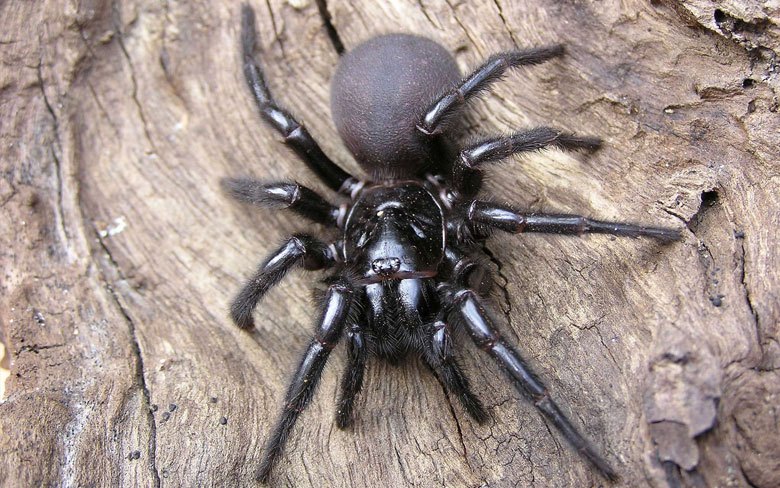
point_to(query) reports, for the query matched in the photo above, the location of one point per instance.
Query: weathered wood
(120, 254)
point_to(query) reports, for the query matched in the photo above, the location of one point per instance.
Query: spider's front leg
(298, 250)
(440, 358)
(466, 309)
(334, 316)
(352, 381)
(508, 220)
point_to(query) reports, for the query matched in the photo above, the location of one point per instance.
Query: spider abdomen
(395, 231)
(379, 94)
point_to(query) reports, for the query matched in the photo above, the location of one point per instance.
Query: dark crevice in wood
(460, 23)
(712, 272)
(595, 326)
(503, 286)
(139, 369)
(748, 301)
(35, 348)
(503, 21)
(709, 199)
(734, 25)
(134, 82)
(277, 35)
(425, 12)
(672, 473)
(455, 418)
(55, 148)
(747, 480)
(327, 21)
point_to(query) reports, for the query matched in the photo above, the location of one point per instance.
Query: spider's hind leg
(508, 220)
(295, 135)
(466, 309)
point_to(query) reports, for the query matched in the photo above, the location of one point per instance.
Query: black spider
(407, 263)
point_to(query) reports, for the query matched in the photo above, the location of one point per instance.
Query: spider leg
(467, 310)
(299, 249)
(335, 313)
(479, 80)
(295, 135)
(440, 358)
(301, 200)
(352, 381)
(465, 173)
(504, 218)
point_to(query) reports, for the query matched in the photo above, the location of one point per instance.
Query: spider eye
(417, 230)
(363, 239)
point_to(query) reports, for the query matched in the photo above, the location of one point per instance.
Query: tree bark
(120, 254)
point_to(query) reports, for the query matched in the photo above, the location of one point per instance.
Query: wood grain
(120, 254)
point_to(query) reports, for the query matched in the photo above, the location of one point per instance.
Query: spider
(408, 263)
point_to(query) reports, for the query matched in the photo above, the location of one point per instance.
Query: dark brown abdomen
(380, 91)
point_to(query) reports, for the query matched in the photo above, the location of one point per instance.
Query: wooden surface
(120, 255)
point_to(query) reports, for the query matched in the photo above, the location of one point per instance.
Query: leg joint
(297, 134)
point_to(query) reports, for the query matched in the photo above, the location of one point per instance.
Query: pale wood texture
(120, 254)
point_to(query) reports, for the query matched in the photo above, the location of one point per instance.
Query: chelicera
(406, 268)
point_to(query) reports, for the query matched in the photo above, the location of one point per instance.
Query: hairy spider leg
(439, 356)
(295, 135)
(352, 381)
(467, 178)
(466, 309)
(479, 80)
(301, 200)
(508, 220)
(300, 249)
(328, 331)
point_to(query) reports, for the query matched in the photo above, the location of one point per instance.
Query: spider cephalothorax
(406, 263)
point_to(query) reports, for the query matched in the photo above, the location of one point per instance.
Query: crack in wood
(140, 375)
(425, 13)
(503, 21)
(134, 83)
(55, 147)
(712, 273)
(507, 309)
(327, 22)
(749, 302)
(164, 58)
(35, 348)
(277, 35)
(455, 418)
(594, 326)
(455, 15)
